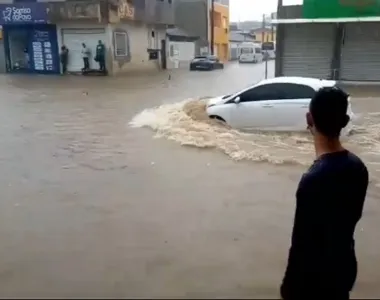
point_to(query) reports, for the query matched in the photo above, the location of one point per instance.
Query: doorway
(73, 38)
(19, 59)
(31, 48)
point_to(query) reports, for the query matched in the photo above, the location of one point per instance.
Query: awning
(327, 20)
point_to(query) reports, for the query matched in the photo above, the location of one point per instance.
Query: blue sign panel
(23, 13)
(43, 50)
(42, 56)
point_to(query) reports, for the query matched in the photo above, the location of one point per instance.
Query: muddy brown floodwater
(93, 207)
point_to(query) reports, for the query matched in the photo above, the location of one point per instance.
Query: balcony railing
(103, 11)
(80, 10)
(148, 11)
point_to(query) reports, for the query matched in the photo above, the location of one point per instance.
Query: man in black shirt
(330, 197)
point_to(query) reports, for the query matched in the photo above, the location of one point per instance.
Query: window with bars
(121, 44)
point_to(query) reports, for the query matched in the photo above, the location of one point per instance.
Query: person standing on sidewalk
(330, 197)
(64, 56)
(86, 52)
(101, 56)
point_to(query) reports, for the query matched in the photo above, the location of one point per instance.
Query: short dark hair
(328, 108)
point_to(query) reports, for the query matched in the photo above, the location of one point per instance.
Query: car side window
(296, 91)
(277, 91)
(262, 92)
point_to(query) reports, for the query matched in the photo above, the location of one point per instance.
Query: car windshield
(236, 92)
(246, 50)
(200, 57)
(267, 46)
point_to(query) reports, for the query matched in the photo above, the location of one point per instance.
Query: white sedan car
(277, 104)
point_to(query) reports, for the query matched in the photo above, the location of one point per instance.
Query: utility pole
(272, 27)
(279, 45)
(212, 23)
(263, 29)
(262, 43)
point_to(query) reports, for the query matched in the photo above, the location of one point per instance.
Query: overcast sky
(244, 10)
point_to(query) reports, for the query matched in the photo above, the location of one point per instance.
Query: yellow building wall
(267, 37)
(221, 31)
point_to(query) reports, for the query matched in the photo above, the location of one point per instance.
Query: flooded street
(93, 207)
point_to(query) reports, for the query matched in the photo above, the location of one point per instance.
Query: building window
(121, 44)
(224, 23)
(174, 50)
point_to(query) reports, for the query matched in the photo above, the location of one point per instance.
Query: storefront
(329, 39)
(74, 36)
(360, 52)
(30, 43)
(308, 50)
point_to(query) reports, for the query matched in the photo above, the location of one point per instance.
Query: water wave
(187, 123)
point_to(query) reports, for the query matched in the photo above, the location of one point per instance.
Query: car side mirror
(237, 100)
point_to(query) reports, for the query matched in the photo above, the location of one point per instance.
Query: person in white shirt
(86, 52)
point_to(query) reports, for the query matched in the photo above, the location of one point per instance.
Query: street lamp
(212, 21)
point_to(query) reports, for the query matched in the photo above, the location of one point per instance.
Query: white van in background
(250, 52)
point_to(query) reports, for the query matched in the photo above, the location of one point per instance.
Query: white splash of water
(187, 123)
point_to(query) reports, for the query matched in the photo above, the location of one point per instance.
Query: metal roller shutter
(73, 39)
(360, 59)
(308, 50)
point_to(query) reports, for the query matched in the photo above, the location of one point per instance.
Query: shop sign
(313, 9)
(23, 13)
(43, 57)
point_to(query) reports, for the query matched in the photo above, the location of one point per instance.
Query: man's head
(100, 42)
(83, 45)
(327, 114)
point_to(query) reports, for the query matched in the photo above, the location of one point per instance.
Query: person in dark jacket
(101, 56)
(64, 56)
(330, 197)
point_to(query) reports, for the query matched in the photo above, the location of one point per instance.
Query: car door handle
(304, 106)
(267, 105)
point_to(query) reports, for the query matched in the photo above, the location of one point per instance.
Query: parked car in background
(277, 104)
(206, 62)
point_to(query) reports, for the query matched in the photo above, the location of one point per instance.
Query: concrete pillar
(280, 37)
(337, 51)
(279, 41)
